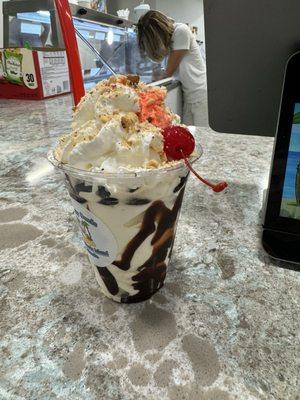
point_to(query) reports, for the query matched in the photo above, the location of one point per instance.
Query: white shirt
(191, 71)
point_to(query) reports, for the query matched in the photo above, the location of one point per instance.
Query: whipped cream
(107, 132)
(114, 146)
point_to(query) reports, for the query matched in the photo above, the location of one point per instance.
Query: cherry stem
(216, 188)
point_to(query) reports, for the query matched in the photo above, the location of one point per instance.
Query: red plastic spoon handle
(67, 27)
(216, 188)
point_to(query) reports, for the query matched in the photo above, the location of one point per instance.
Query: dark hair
(155, 32)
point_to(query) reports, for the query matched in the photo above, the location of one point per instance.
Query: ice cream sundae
(126, 173)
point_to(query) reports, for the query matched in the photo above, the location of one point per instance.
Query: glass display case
(107, 44)
(118, 49)
(32, 23)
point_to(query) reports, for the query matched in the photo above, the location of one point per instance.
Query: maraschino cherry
(179, 144)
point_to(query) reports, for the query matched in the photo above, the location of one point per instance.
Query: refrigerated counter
(34, 24)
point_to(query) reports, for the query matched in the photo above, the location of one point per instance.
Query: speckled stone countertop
(224, 327)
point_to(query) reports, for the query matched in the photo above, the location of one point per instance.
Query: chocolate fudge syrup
(161, 221)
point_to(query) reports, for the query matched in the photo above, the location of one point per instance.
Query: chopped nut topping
(126, 144)
(152, 164)
(133, 79)
(129, 120)
(105, 118)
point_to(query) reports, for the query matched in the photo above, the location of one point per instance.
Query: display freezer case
(118, 49)
(31, 23)
(107, 44)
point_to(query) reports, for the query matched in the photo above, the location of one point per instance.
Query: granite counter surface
(225, 326)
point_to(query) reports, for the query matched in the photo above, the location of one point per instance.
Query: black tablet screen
(290, 202)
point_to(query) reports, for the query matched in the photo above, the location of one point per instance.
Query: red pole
(67, 27)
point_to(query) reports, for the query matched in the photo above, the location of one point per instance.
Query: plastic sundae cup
(128, 223)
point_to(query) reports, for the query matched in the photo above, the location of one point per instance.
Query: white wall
(114, 5)
(187, 11)
(190, 11)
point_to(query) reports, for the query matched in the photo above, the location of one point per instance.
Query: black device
(247, 46)
(281, 226)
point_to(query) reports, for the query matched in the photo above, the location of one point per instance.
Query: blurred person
(159, 37)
